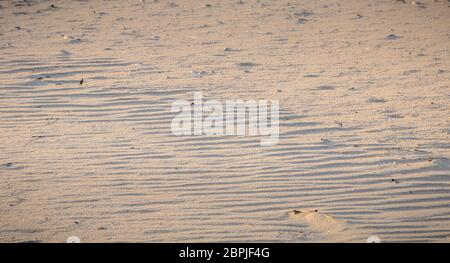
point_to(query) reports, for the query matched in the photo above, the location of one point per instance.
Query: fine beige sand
(364, 150)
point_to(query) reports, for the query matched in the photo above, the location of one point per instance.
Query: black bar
(224, 252)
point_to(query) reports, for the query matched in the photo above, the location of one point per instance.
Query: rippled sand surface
(364, 90)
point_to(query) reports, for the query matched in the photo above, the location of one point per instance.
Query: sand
(364, 121)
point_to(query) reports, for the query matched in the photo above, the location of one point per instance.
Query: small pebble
(392, 37)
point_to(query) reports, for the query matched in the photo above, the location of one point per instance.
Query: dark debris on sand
(392, 37)
(7, 165)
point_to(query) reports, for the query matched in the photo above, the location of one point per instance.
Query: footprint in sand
(322, 226)
(247, 64)
(376, 100)
(325, 87)
(304, 13)
(65, 53)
